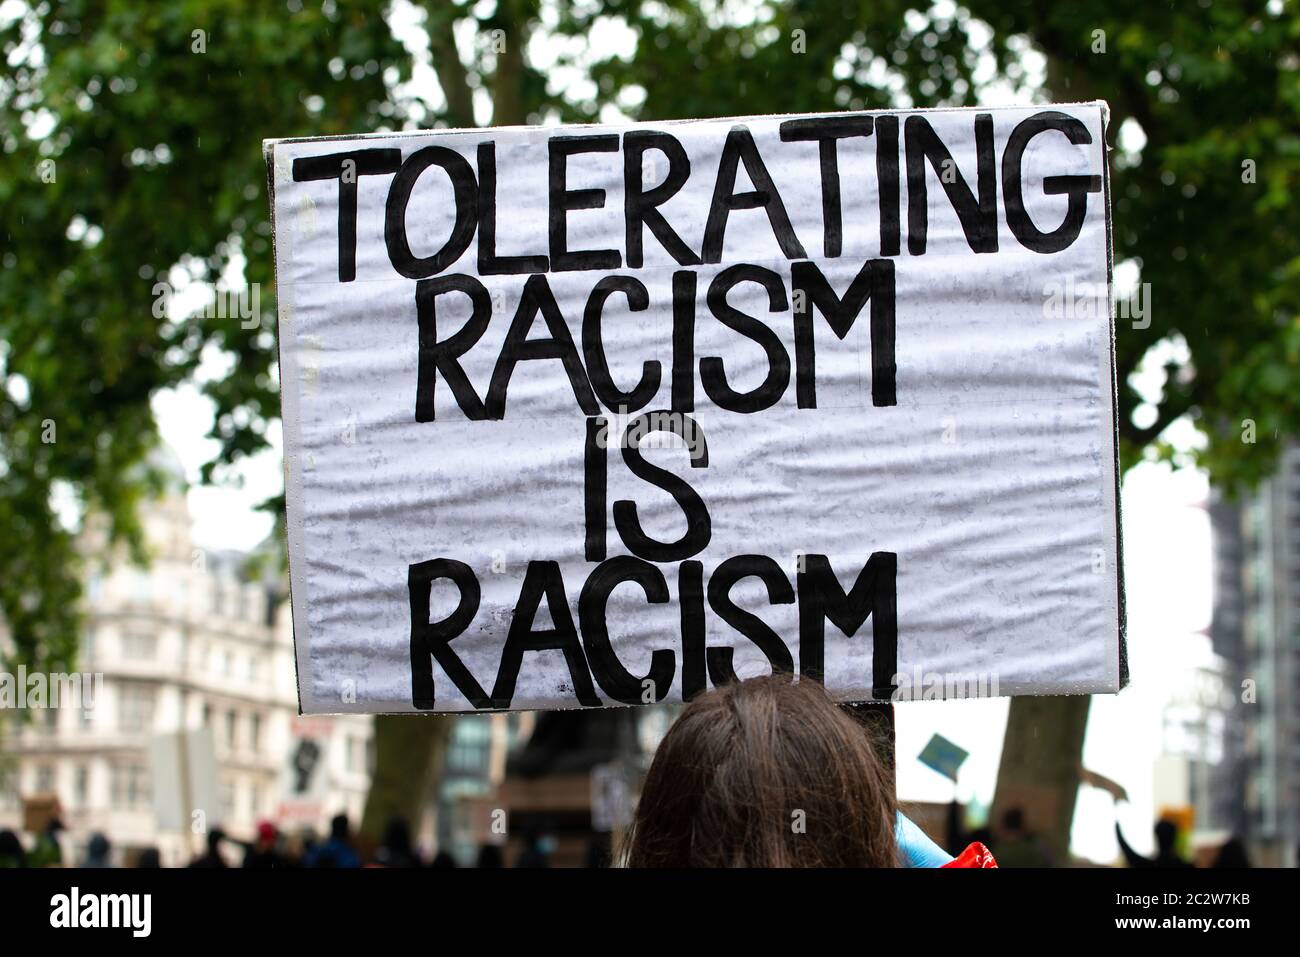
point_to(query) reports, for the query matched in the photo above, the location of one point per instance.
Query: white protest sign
(185, 779)
(607, 415)
(304, 775)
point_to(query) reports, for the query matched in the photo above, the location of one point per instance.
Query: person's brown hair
(767, 772)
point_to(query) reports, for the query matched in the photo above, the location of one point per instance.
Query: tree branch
(452, 75)
(508, 83)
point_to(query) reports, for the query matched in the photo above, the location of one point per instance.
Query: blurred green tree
(131, 139)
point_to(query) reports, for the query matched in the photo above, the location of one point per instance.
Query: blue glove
(915, 848)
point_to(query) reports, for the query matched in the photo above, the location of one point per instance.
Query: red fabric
(976, 855)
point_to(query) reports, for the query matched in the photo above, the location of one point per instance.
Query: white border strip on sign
(1118, 672)
(290, 384)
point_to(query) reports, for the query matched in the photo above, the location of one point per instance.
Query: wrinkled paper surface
(992, 479)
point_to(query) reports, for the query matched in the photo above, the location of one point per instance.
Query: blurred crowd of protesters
(1015, 845)
(270, 848)
(1012, 842)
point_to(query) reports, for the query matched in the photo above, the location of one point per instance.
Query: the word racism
(904, 146)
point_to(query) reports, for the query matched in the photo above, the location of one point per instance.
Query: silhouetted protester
(443, 860)
(955, 835)
(98, 852)
(396, 848)
(954, 827)
(211, 858)
(490, 856)
(47, 852)
(983, 835)
(1166, 832)
(1232, 855)
(598, 851)
(12, 853)
(1017, 845)
(149, 859)
(535, 852)
(336, 850)
(264, 852)
(304, 845)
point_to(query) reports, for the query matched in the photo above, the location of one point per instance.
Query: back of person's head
(308, 838)
(339, 827)
(268, 835)
(1166, 834)
(11, 850)
(489, 855)
(765, 773)
(149, 858)
(1232, 853)
(397, 835)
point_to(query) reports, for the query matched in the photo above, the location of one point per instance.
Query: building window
(44, 778)
(255, 732)
(232, 728)
(469, 746)
(81, 786)
(141, 586)
(135, 707)
(138, 646)
(130, 785)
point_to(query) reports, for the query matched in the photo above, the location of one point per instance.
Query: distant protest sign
(577, 417)
(943, 756)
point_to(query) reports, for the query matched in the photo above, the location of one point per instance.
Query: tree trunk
(408, 754)
(1039, 773)
(508, 105)
(409, 748)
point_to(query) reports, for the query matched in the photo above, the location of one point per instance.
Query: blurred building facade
(468, 807)
(1191, 783)
(197, 640)
(1256, 630)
